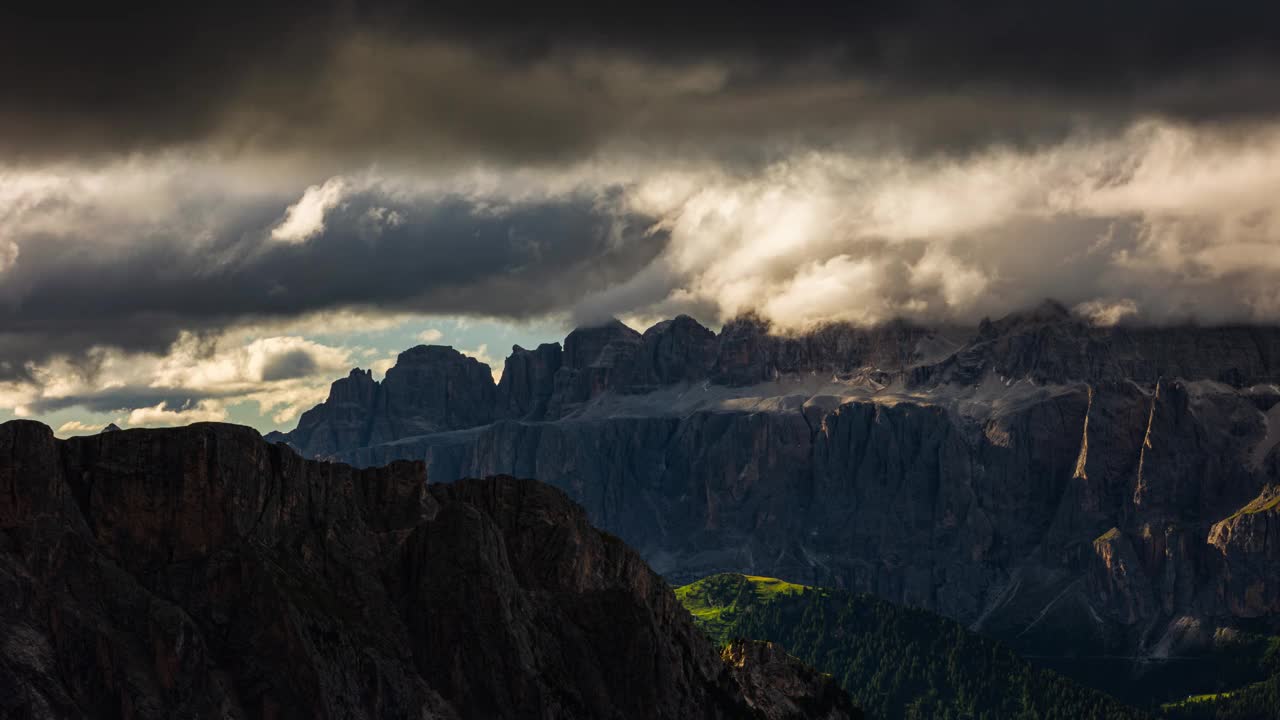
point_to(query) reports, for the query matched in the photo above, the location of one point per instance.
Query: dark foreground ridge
(203, 573)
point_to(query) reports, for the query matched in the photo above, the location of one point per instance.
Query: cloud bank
(172, 232)
(1161, 224)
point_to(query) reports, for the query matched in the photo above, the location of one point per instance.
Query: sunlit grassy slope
(896, 662)
(1256, 701)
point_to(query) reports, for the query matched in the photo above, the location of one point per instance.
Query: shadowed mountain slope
(200, 572)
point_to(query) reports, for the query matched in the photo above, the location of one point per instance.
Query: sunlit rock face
(1249, 543)
(782, 687)
(201, 572)
(1068, 487)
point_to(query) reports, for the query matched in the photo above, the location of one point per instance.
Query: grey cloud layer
(459, 83)
(165, 176)
(76, 289)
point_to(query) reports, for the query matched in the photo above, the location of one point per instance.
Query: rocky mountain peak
(587, 346)
(677, 350)
(433, 388)
(436, 388)
(528, 380)
(1049, 314)
(430, 388)
(1049, 344)
(433, 355)
(200, 572)
(1049, 310)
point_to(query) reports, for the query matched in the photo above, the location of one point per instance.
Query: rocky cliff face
(1249, 543)
(781, 686)
(436, 389)
(1049, 344)
(528, 380)
(200, 572)
(1069, 488)
(430, 389)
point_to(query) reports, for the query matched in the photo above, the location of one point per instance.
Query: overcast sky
(212, 215)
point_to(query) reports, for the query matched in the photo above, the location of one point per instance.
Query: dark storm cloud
(72, 291)
(289, 365)
(536, 83)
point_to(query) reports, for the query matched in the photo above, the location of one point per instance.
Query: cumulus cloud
(198, 378)
(105, 269)
(75, 427)
(8, 254)
(163, 416)
(430, 335)
(1165, 223)
(305, 218)
(1105, 313)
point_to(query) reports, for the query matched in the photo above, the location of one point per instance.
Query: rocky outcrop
(528, 381)
(344, 420)
(1249, 543)
(596, 360)
(431, 388)
(1049, 344)
(750, 353)
(200, 572)
(781, 686)
(1119, 581)
(674, 351)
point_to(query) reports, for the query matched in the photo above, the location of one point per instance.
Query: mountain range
(200, 572)
(1092, 496)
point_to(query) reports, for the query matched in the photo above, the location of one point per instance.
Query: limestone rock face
(1042, 479)
(431, 388)
(1048, 344)
(203, 573)
(782, 686)
(596, 359)
(674, 351)
(344, 420)
(750, 353)
(1249, 543)
(528, 381)
(1119, 581)
(991, 519)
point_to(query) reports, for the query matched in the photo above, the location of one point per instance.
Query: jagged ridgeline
(201, 573)
(1106, 499)
(897, 663)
